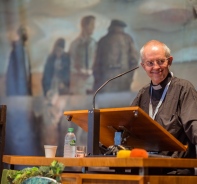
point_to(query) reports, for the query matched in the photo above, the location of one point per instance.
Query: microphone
(94, 121)
(93, 103)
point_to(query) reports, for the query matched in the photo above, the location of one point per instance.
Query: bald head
(154, 45)
(156, 60)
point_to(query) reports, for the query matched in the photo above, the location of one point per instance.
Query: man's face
(155, 63)
(59, 51)
(89, 28)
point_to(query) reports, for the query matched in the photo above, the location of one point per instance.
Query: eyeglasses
(160, 62)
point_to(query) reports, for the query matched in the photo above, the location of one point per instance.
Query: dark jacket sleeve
(188, 112)
(48, 73)
(65, 71)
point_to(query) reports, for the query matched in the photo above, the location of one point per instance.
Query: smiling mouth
(157, 72)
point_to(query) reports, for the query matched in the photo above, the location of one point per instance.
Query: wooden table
(111, 162)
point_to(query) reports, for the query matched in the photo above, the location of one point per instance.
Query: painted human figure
(116, 54)
(82, 54)
(18, 76)
(56, 75)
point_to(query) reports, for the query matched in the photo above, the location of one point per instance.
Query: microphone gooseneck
(109, 81)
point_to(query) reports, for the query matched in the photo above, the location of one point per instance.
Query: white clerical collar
(163, 83)
(157, 87)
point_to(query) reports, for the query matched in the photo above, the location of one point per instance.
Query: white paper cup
(50, 151)
(80, 151)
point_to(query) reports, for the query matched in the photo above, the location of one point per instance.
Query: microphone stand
(94, 121)
(93, 104)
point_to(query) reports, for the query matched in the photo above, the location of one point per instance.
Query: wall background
(172, 22)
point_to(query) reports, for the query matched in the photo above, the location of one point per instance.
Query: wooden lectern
(142, 131)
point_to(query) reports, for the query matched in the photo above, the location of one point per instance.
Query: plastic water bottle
(69, 143)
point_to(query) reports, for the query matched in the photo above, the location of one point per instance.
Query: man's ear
(170, 59)
(142, 64)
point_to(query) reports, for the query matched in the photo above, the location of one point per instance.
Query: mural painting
(55, 54)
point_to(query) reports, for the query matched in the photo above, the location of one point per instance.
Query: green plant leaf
(52, 171)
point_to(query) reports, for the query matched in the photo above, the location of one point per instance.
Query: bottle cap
(70, 129)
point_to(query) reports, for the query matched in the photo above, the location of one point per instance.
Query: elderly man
(170, 101)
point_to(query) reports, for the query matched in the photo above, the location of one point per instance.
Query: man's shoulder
(106, 37)
(76, 40)
(178, 80)
(112, 38)
(128, 36)
(81, 40)
(182, 82)
(144, 88)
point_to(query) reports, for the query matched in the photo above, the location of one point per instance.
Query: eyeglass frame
(159, 62)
